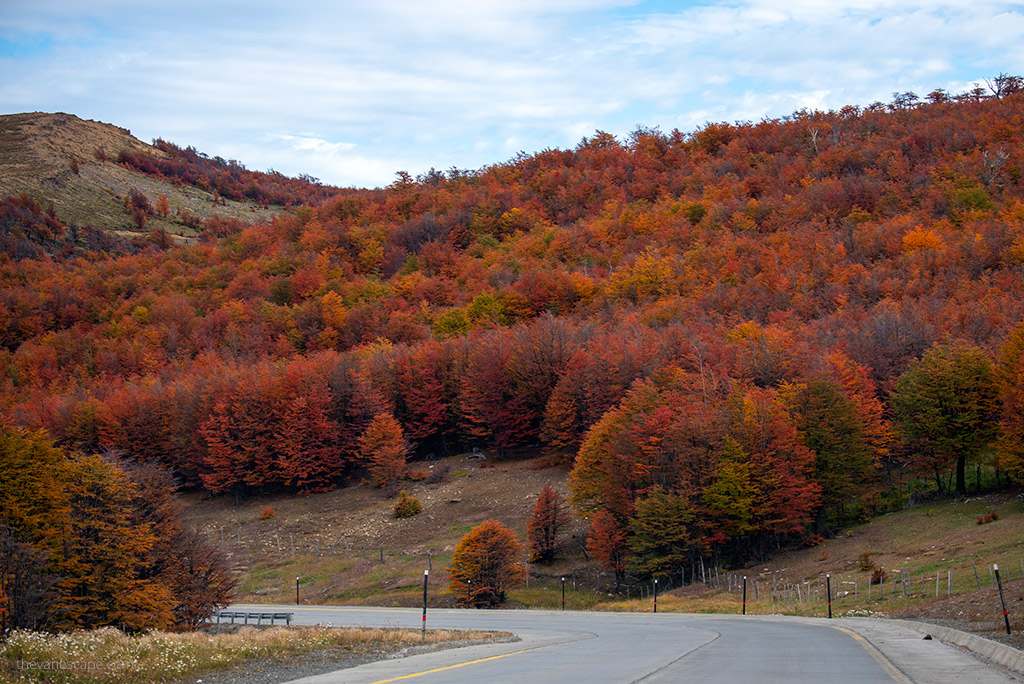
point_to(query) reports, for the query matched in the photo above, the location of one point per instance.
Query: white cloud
(409, 85)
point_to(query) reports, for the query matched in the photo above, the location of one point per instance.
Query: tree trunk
(961, 480)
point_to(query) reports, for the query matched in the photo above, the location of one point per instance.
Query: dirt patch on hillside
(355, 522)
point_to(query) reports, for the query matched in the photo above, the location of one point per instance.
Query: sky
(353, 92)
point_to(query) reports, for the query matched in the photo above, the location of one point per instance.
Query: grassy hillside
(938, 536)
(711, 323)
(71, 163)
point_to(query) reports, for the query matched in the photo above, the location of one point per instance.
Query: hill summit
(71, 164)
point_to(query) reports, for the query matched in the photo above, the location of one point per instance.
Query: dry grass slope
(929, 540)
(53, 158)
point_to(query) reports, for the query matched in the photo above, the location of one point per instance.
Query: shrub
(879, 575)
(407, 506)
(991, 516)
(267, 513)
(810, 540)
(866, 563)
(438, 474)
(417, 475)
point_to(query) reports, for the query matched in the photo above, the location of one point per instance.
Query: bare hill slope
(70, 162)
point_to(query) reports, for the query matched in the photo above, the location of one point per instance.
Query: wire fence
(843, 587)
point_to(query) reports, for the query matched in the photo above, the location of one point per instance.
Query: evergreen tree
(661, 536)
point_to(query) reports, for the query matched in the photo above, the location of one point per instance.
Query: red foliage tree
(310, 458)
(606, 542)
(492, 407)
(546, 521)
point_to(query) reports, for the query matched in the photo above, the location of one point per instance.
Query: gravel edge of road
(272, 671)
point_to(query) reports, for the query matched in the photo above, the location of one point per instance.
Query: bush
(417, 475)
(992, 516)
(879, 575)
(267, 513)
(407, 506)
(438, 474)
(866, 563)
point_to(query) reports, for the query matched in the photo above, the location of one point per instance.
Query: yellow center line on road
(457, 665)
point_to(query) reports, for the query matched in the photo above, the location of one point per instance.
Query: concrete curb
(1000, 654)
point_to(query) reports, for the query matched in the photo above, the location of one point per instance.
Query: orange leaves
(106, 546)
(649, 276)
(921, 239)
(485, 565)
(383, 448)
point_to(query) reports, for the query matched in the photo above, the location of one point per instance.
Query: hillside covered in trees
(750, 333)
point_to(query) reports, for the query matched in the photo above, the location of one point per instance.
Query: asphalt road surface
(594, 648)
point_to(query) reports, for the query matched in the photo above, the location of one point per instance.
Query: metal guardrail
(258, 617)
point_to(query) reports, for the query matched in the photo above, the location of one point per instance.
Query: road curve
(595, 648)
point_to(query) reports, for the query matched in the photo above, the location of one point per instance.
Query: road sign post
(423, 631)
(1002, 599)
(744, 594)
(828, 591)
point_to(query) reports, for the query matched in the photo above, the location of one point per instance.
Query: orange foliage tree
(384, 449)
(486, 564)
(102, 548)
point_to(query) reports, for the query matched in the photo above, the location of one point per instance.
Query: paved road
(595, 648)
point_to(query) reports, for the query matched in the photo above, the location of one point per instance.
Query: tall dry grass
(109, 656)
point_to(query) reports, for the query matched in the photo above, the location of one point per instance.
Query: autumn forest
(749, 334)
